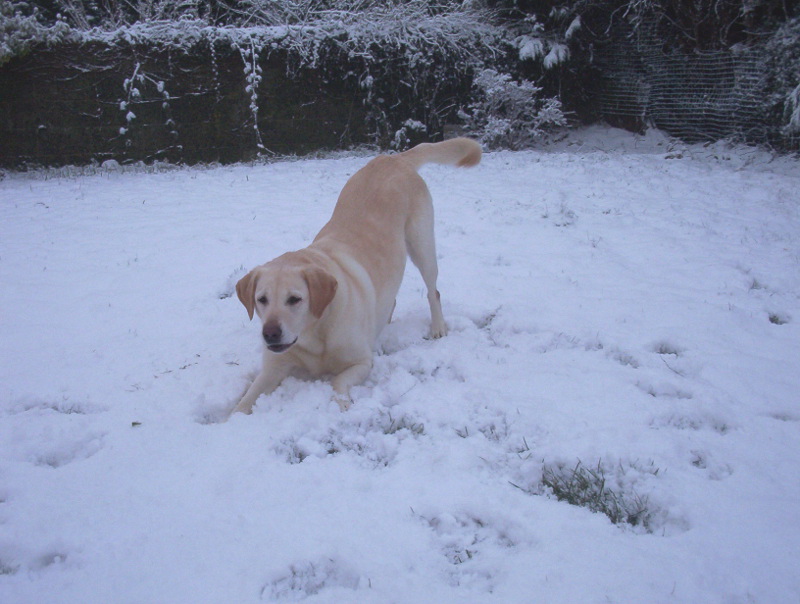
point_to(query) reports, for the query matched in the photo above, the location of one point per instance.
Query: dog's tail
(462, 152)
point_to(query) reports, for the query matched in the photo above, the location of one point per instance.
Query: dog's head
(287, 297)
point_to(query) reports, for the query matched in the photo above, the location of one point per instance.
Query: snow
(530, 47)
(623, 301)
(573, 28)
(558, 54)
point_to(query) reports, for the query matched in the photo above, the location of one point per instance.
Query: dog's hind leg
(422, 251)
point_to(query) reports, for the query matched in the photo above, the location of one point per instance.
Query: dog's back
(384, 205)
(381, 190)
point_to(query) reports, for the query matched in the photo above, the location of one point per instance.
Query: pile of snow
(633, 313)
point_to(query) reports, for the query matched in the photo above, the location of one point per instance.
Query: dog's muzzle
(273, 337)
(280, 347)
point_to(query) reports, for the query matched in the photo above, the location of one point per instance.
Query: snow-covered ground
(619, 302)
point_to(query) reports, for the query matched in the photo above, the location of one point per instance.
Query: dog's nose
(272, 334)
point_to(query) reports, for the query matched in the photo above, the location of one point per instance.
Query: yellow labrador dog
(323, 307)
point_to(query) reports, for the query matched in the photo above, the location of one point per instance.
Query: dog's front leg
(352, 376)
(266, 381)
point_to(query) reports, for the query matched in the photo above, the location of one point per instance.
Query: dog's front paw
(438, 331)
(344, 402)
(244, 407)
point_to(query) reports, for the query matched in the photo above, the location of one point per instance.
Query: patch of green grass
(7, 569)
(588, 487)
(402, 423)
(777, 319)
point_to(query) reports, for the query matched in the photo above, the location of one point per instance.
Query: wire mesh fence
(694, 96)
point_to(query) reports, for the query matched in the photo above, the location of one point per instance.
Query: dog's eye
(293, 300)
(262, 300)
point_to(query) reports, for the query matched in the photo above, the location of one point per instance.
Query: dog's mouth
(281, 347)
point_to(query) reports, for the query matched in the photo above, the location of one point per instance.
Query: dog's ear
(246, 290)
(321, 289)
